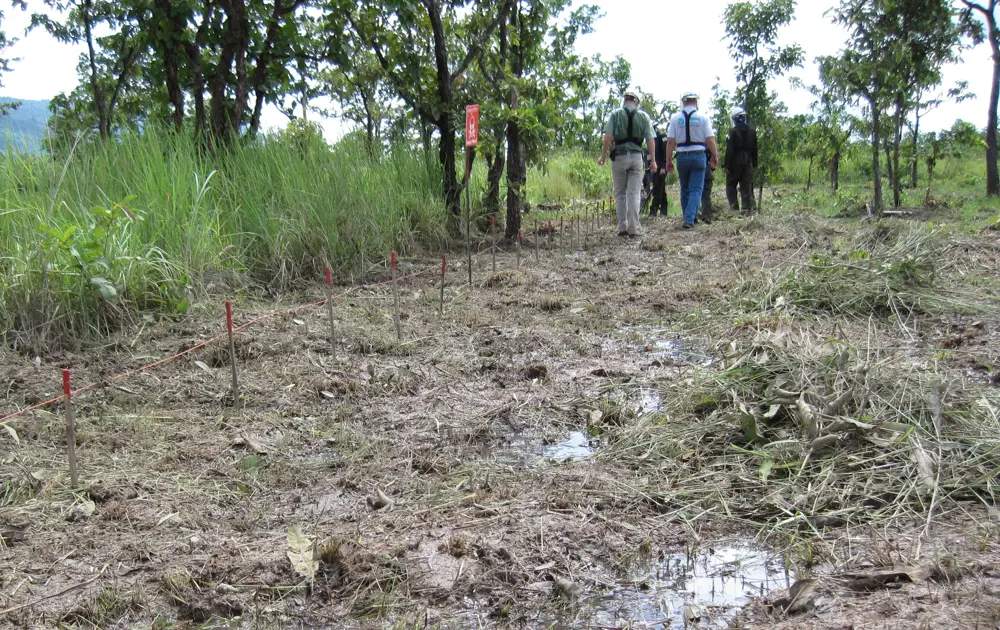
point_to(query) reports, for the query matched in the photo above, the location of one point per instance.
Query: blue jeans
(691, 167)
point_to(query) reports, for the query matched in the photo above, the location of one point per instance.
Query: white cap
(737, 111)
(687, 96)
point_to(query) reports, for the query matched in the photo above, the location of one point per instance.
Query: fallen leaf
(327, 394)
(13, 434)
(203, 366)
(824, 443)
(925, 468)
(692, 614)
(886, 578)
(800, 596)
(379, 501)
(299, 322)
(302, 553)
(566, 588)
(83, 510)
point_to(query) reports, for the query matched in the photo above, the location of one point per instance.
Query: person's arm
(727, 161)
(671, 145)
(713, 146)
(608, 139)
(651, 145)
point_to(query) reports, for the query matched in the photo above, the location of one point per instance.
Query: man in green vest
(626, 130)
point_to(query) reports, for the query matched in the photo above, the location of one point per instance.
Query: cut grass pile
(885, 270)
(801, 432)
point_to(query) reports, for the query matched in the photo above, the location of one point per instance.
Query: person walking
(740, 161)
(660, 202)
(624, 133)
(692, 136)
(705, 213)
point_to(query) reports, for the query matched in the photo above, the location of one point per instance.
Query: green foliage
(752, 30)
(142, 222)
(589, 178)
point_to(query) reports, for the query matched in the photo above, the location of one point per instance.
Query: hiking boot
(687, 226)
(623, 234)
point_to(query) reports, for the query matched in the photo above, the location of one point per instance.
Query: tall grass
(145, 221)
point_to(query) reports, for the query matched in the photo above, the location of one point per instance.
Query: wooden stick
(562, 234)
(232, 353)
(329, 310)
(395, 299)
(550, 233)
(70, 431)
(468, 216)
(444, 266)
(493, 232)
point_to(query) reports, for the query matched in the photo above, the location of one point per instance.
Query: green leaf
(765, 468)
(107, 290)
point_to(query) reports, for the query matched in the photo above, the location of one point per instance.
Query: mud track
(509, 447)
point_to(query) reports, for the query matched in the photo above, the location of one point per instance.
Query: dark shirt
(741, 146)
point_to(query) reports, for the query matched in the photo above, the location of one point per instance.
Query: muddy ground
(543, 455)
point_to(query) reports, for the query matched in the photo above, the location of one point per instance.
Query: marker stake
(329, 311)
(232, 353)
(395, 299)
(70, 431)
(444, 266)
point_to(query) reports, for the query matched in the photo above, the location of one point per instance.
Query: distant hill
(24, 128)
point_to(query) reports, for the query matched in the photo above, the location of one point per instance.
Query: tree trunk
(445, 122)
(916, 149)
(369, 121)
(515, 175)
(515, 163)
(494, 173)
(897, 139)
(835, 170)
(992, 173)
(193, 50)
(103, 125)
(809, 178)
(876, 166)
(446, 155)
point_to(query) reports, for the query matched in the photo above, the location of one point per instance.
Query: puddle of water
(649, 400)
(717, 582)
(576, 446)
(662, 342)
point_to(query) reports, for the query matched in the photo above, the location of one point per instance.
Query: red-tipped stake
(395, 298)
(70, 430)
(444, 267)
(329, 310)
(517, 247)
(232, 353)
(493, 232)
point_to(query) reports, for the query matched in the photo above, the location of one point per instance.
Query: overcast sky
(679, 47)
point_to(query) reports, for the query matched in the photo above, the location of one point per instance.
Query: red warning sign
(471, 125)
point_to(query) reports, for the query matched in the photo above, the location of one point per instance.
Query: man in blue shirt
(691, 134)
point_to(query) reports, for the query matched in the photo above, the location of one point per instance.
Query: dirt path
(543, 455)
